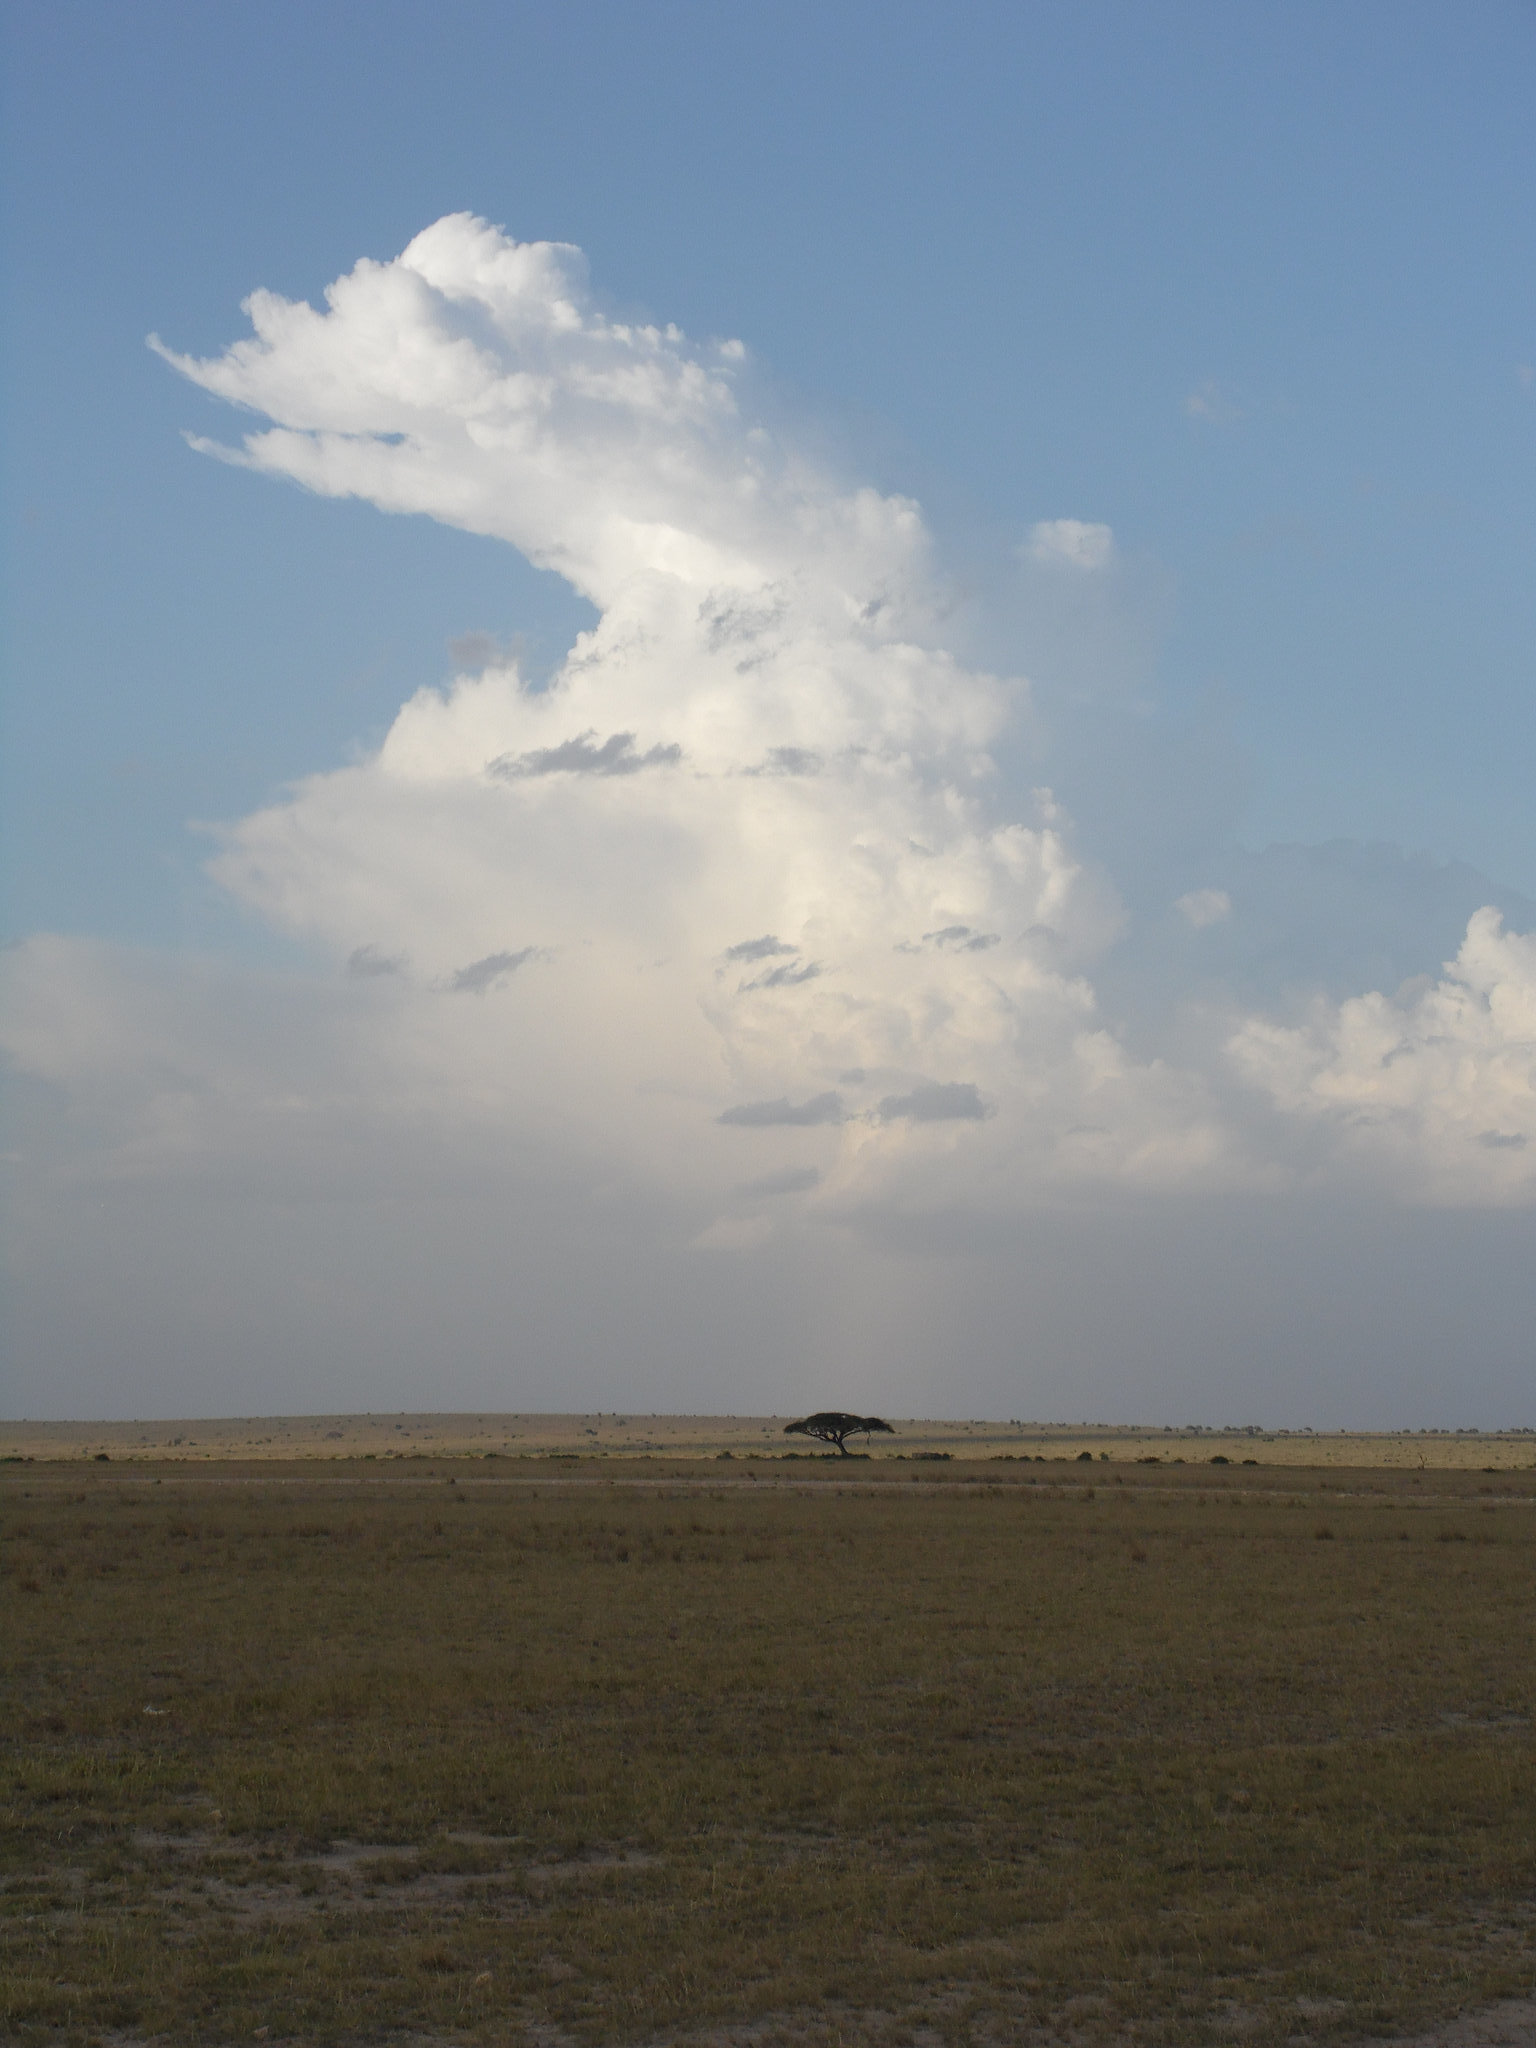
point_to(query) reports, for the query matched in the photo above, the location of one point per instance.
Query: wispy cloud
(1071, 543)
(1211, 404)
(1202, 907)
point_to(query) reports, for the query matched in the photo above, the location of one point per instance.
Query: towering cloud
(734, 907)
(762, 735)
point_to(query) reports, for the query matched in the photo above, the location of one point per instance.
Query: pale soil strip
(327, 1437)
(1510, 2025)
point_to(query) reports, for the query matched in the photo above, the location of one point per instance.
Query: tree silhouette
(832, 1427)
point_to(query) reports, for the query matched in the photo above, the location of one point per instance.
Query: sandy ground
(614, 1435)
(1503, 2026)
(1512, 2025)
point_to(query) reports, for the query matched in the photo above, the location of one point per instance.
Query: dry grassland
(489, 1751)
(285, 1437)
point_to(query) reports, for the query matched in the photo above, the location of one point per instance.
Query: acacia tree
(831, 1427)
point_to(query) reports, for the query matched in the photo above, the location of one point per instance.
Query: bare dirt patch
(1511, 2024)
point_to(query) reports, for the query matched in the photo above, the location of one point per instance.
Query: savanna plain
(1036, 1745)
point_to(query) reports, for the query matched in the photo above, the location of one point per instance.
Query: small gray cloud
(961, 938)
(936, 1102)
(788, 761)
(481, 975)
(794, 1180)
(734, 620)
(474, 652)
(367, 963)
(765, 948)
(762, 1116)
(787, 976)
(616, 755)
(1501, 1141)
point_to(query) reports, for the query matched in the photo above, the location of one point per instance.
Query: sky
(734, 709)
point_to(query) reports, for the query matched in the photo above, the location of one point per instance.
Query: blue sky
(997, 248)
(1252, 288)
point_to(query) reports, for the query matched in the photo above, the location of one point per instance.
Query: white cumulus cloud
(762, 735)
(1435, 1086)
(732, 902)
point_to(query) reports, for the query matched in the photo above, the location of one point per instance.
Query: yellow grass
(634, 1434)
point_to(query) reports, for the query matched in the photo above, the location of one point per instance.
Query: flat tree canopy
(833, 1427)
